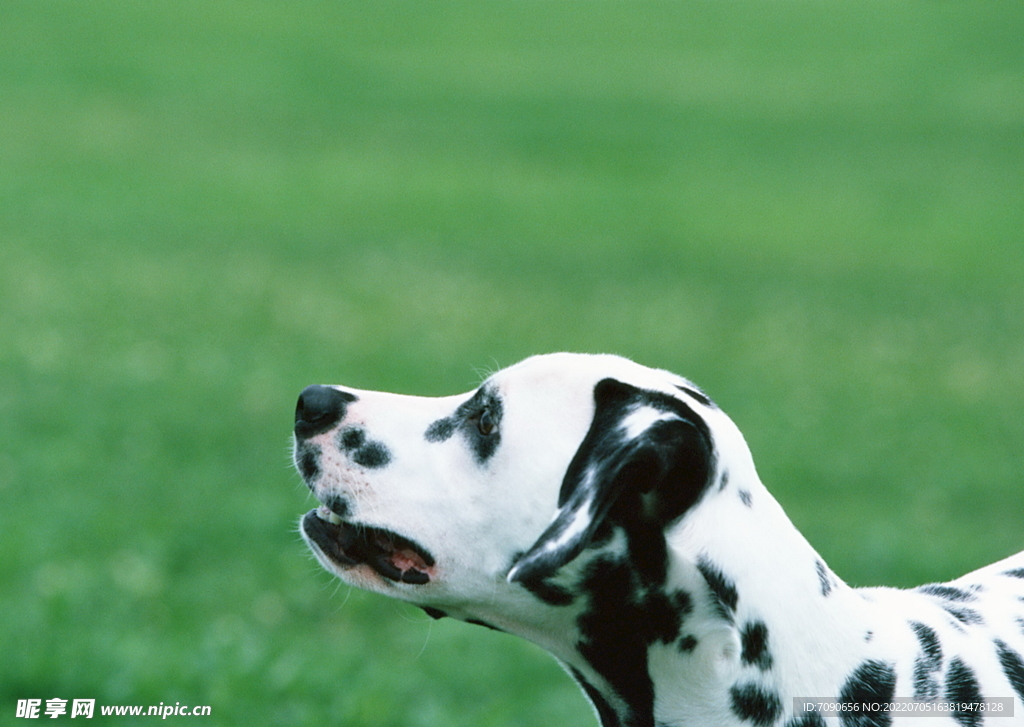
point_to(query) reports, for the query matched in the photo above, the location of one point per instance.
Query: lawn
(814, 210)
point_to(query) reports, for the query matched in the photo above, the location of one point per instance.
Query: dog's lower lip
(392, 556)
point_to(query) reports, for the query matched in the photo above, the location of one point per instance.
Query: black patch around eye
(870, 683)
(962, 688)
(722, 589)
(441, 430)
(1013, 667)
(754, 638)
(753, 704)
(467, 419)
(485, 423)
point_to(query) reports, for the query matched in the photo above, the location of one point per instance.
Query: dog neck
(743, 617)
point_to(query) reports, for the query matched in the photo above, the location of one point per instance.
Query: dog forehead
(579, 370)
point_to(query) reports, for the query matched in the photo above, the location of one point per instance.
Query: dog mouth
(346, 544)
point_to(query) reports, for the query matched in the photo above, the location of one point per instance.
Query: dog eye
(485, 423)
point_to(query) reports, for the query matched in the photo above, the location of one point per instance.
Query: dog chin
(343, 547)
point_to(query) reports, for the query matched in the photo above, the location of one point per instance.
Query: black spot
(484, 403)
(665, 614)
(926, 686)
(697, 394)
(351, 438)
(623, 617)
(682, 602)
(931, 649)
(605, 712)
(868, 636)
(550, 593)
(723, 590)
(610, 639)
(362, 451)
(962, 688)
(752, 703)
(1014, 573)
(1013, 667)
(542, 587)
(688, 643)
(966, 616)
(754, 638)
(871, 682)
(723, 481)
(309, 461)
(948, 593)
(809, 719)
(746, 498)
(372, 455)
(434, 613)
(927, 664)
(824, 579)
(478, 622)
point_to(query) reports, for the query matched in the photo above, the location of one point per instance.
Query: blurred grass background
(814, 210)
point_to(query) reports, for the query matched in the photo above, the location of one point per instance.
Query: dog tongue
(406, 559)
(399, 564)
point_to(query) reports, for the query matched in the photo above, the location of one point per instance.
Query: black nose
(320, 408)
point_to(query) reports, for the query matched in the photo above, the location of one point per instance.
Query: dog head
(457, 502)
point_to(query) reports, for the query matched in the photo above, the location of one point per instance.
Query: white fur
(476, 518)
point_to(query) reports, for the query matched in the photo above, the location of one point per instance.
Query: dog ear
(646, 459)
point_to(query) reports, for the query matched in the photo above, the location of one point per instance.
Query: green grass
(815, 210)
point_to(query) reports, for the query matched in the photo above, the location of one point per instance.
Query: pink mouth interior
(391, 555)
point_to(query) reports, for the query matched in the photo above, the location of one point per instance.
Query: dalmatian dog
(612, 514)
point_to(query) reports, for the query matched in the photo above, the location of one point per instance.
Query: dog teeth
(329, 515)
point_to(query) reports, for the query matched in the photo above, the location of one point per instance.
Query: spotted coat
(612, 514)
